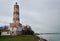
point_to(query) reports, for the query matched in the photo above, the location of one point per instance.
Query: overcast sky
(41, 15)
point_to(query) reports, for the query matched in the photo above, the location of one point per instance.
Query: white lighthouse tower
(16, 26)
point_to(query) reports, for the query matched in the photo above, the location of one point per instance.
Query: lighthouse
(16, 26)
(16, 14)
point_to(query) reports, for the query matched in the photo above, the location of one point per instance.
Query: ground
(19, 38)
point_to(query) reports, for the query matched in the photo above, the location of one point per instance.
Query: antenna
(18, 1)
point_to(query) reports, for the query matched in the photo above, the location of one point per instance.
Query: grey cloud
(42, 15)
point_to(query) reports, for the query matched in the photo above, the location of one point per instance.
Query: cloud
(42, 15)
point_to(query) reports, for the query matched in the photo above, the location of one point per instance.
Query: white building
(5, 32)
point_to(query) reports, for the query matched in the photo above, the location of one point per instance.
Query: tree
(0, 32)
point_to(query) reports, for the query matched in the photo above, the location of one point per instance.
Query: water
(51, 37)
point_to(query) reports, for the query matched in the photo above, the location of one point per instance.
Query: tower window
(12, 32)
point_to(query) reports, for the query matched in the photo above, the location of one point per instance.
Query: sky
(42, 15)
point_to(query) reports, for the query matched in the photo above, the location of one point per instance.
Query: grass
(19, 38)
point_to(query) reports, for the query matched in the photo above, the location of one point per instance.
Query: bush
(28, 32)
(0, 32)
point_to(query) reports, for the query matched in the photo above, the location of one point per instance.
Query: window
(12, 32)
(7, 32)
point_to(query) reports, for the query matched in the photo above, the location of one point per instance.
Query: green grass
(19, 38)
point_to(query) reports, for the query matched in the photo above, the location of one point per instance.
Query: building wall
(5, 33)
(19, 29)
(13, 29)
(16, 30)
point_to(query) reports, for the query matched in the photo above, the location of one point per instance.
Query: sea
(51, 37)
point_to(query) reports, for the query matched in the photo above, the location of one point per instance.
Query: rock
(41, 39)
